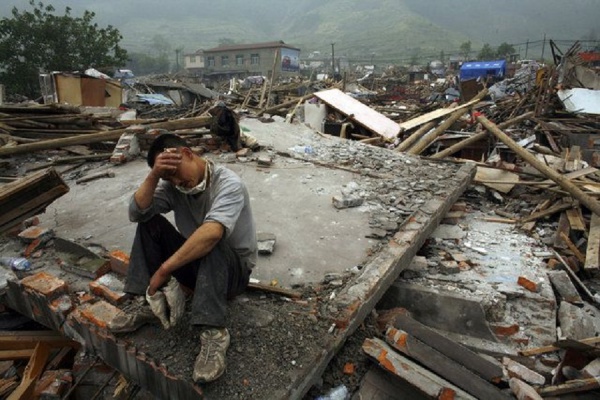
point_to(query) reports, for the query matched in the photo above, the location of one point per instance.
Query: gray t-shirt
(225, 201)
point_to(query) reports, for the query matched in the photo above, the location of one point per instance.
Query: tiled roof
(250, 46)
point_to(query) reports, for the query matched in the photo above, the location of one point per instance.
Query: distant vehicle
(123, 73)
(125, 76)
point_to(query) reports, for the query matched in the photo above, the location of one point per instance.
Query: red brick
(119, 262)
(101, 287)
(509, 330)
(528, 284)
(100, 313)
(553, 264)
(45, 284)
(32, 247)
(118, 158)
(459, 206)
(36, 232)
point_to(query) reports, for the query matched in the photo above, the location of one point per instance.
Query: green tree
(37, 41)
(486, 52)
(465, 50)
(505, 50)
(144, 64)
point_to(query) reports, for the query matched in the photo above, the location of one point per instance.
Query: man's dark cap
(162, 142)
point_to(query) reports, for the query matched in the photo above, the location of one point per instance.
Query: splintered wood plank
(419, 377)
(33, 371)
(23, 340)
(361, 113)
(547, 212)
(431, 116)
(443, 366)
(455, 351)
(563, 228)
(576, 219)
(550, 348)
(592, 254)
(574, 386)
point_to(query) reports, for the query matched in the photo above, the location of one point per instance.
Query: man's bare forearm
(143, 196)
(202, 241)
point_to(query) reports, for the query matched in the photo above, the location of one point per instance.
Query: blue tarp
(476, 69)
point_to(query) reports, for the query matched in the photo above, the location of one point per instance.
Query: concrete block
(348, 201)
(574, 322)
(45, 284)
(563, 285)
(592, 370)
(523, 391)
(264, 161)
(119, 262)
(110, 287)
(100, 313)
(519, 371)
(266, 242)
(89, 268)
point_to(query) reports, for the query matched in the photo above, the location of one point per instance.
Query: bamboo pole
(422, 144)
(563, 182)
(479, 136)
(186, 123)
(412, 139)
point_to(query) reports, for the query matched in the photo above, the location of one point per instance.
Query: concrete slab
(405, 198)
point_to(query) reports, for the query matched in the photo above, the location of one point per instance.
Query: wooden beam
(33, 371)
(21, 340)
(186, 123)
(549, 211)
(6, 355)
(443, 366)
(427, 382)
(479, 136)
(426, 140)
(592, 254)
(576, 219)
(549, 349)
(563, 182)
(455, 351)
(572, 247)
(574, 386)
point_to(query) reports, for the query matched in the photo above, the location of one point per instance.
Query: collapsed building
(445, 250)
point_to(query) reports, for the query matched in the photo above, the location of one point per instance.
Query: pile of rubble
(518, 255)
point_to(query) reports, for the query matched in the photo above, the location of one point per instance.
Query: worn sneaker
(210, 363)
(131, 317)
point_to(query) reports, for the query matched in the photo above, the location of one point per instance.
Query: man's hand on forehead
(167, 162)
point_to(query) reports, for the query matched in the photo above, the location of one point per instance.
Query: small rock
(265, 242)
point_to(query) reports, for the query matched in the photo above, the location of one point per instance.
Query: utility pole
(332, 60)
(543, 47)
(526, 48)
(177, 60)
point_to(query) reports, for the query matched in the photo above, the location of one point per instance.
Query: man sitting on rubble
(212, 252)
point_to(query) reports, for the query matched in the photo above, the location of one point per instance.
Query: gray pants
(214, 278)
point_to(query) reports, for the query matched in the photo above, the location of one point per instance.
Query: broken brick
(100, 313)
(36, 232)
(349, 368)
(505, 330)
(459, 206)
(119, 262)
(45, 284)
(110, 288)
(528, 284)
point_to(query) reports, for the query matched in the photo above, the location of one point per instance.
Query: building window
(224, 60)
(192, 59)
(254, 59)
(210, 61)
(239, 59)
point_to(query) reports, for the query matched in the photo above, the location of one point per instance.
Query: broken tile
(119, 262)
